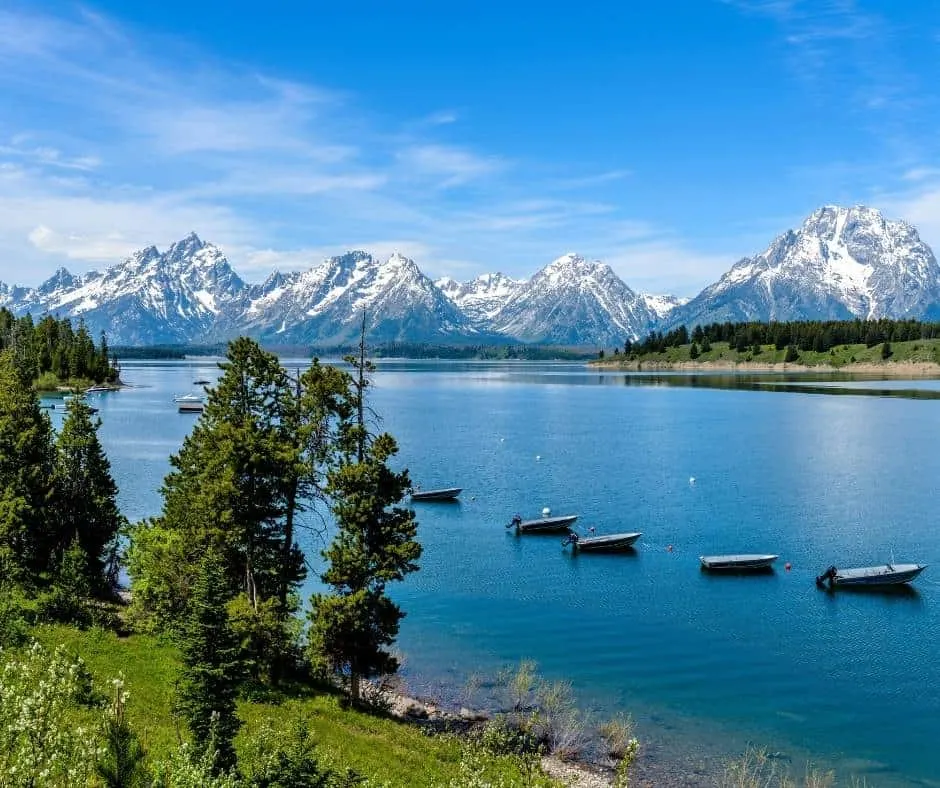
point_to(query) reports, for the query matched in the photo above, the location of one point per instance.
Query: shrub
(13, 625)
(47, 381)
(619, 734)
(289, 759)
(38, 736)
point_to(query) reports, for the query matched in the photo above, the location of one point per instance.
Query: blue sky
(668, 139)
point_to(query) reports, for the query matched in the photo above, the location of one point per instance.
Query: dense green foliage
(226, 492)
(53, 347)
(27, 459)
(85, 496)
(58, 513)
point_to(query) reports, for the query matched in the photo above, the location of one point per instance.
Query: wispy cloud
(840, 49)
(122, 140)
(452, 165)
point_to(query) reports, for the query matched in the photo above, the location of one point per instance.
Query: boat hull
(449, 494)
(546, 525)
(874, 576)
(610, 543)
(737, 563)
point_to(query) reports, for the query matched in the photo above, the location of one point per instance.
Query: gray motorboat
(542, 525)
(445, 494)
(737, 563)
(605, 543)
(884, 575)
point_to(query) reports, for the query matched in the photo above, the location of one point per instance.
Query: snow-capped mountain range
(841, 263)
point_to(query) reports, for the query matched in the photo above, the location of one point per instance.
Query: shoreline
(889, 369)
(656, 765)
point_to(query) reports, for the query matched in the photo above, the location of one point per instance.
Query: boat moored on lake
(870, 576)
(737, 563)
(189, 398)
(542, 525)
(444, 494)
(605, 543)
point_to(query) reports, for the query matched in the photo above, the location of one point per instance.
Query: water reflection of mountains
(794, 384)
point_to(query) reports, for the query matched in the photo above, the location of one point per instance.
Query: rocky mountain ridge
(841, 263)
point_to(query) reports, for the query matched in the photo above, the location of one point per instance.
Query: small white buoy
(691, 480)
(538, 457)
(501, 440)
(546, 512)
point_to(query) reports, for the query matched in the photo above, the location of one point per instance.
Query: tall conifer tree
(376, 544)
(26, 463)
(85, 493)
(212, 670)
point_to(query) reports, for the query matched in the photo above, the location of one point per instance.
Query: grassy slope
(396, 753)
(919, 351)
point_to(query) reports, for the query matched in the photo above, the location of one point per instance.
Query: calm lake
(705, 664)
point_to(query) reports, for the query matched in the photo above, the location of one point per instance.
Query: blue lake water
(706, 664)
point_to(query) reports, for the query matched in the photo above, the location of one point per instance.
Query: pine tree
(68, 598)
(226, 492)
(212, 670)
(85, 492)
(376, 544)
(122, 763)
(26, 463)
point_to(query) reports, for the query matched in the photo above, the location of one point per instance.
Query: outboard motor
(829, 575)
(571, 538)
(515, 521)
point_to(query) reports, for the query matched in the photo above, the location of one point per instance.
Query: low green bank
(923, 351)
(385, 750)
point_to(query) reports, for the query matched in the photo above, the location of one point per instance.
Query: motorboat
(189, 398)
(444, 494)
(884, 575)
(542, 525)
(737, 563)
(605, 543)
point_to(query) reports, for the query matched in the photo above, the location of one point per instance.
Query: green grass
(396, 753)
(918, 351)
(49, 382)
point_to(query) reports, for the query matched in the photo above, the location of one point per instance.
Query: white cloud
(453, 165)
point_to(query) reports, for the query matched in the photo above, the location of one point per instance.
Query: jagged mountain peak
(61, 279)
(480, 298)
(574, 302)
(185, 248)
(839, 264)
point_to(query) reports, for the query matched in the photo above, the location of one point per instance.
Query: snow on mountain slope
(480, 299)
(574, 302)
(662, 305)
(325, 304)
(841, 263)
(148, 298)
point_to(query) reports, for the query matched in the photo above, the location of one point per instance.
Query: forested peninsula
(52, 355)
(902, 348)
